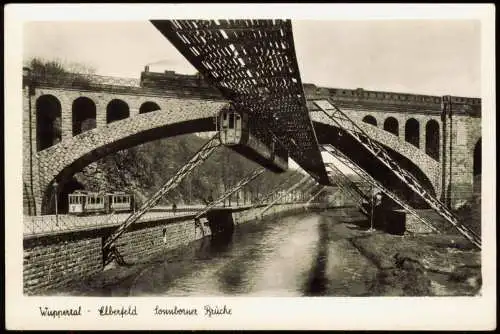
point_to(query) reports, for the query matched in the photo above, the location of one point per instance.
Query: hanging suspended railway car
(84, 202)
(235, 132)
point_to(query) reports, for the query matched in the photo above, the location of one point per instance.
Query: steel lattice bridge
(254, 66)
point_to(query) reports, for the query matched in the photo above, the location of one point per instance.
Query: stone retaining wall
(55, 260)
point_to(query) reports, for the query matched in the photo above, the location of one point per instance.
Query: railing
(176, 87)
(47, 224)
(76, 79)
(36, 226)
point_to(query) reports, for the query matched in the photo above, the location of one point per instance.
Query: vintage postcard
(250, 166)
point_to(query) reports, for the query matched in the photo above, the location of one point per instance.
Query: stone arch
(148, 107)
(412, 132)
(391, 125)
(117, 110)
(48, 121)
(79, 151)
(83, 115)
(432, 139)
(370, 120)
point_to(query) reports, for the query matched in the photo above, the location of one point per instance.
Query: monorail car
(83, 202)
(235, 132)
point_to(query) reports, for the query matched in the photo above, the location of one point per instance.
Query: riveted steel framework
(378, 152)
(316, 194)
(203, 154)
(253, 64)
(304, 182)
(370, 179)
(247, 179)
(348, 187)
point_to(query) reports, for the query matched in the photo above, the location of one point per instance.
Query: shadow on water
(316, 285)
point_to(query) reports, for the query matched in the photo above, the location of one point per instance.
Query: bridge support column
(66, 120)
(100, 117)
(460, 132)
(29, 149)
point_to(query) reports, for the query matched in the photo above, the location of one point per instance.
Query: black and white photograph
(173, 161)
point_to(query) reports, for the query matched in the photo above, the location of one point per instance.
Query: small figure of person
(174, 208)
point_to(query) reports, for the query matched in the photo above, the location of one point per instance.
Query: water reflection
(295, 256)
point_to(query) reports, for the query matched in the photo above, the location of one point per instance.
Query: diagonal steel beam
(172, 183)
(367, 177)
(306, 179)
(315, 195)
(273, 191)
(348, 187)
(250, 177)
(350, 127)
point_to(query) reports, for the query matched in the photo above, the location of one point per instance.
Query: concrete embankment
(59, 259)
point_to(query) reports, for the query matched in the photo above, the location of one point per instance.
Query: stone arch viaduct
(68, 126)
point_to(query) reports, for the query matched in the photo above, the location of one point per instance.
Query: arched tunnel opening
(117, 110)
(349, 146)
(84, 115)
(48, 121)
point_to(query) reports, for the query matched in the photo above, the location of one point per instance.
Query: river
(303, 255)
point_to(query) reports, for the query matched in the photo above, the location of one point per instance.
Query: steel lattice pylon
(350, 127)
(305, 180)
(367, 177)
(316, 194)
(250, 177)
(273, 191)
(348, 187)
(195, 161)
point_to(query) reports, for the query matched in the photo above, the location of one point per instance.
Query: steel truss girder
(244, 181)
(254, 88)
(306, 179)
(348, 187)
(203, 153)
(367, 177)
(349, 126)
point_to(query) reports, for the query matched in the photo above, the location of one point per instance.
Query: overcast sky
(424, 56)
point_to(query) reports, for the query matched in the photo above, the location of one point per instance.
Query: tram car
(235, 132)
(84, 202)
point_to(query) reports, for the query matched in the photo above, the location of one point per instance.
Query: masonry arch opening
(117, 110)
(391, 125)
(370, 120)
(432, 139)
(148, 107)
(412, 132)
(84, 115)
(48, 121)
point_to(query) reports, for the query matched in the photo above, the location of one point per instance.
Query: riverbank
(413, 264)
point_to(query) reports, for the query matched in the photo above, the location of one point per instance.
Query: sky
(435, 57)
